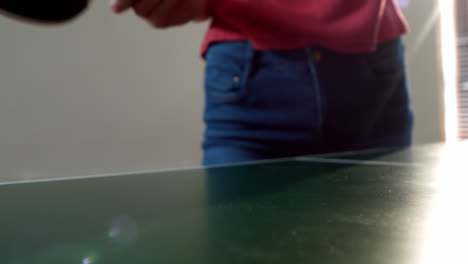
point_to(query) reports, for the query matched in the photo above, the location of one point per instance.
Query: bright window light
(449, 68)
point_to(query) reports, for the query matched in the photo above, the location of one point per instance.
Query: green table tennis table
(378, 206)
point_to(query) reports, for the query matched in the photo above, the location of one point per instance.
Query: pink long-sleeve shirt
(348, 26)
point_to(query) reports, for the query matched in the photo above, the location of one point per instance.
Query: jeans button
(316, 56)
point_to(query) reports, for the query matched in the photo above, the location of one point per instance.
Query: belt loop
(311, 61)
(318, 92)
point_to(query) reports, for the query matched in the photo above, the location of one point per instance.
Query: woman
(288, 78)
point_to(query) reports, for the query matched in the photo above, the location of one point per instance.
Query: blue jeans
(273, 104)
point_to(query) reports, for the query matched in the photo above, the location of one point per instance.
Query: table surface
(380, 206)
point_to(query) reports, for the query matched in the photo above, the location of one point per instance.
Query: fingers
(143, 8)
(120, 6)
(164, 13)
(161, 15)
(183, 15)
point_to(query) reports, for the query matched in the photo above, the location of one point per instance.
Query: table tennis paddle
(42, 11)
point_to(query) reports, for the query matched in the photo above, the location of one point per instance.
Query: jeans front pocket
(392, 116)
(228, 66)
(388, 61)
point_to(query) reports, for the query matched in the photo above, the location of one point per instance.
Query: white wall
(102, 94)
(109, 94)
(423, 69)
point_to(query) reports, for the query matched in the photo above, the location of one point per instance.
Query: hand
(164, 13)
